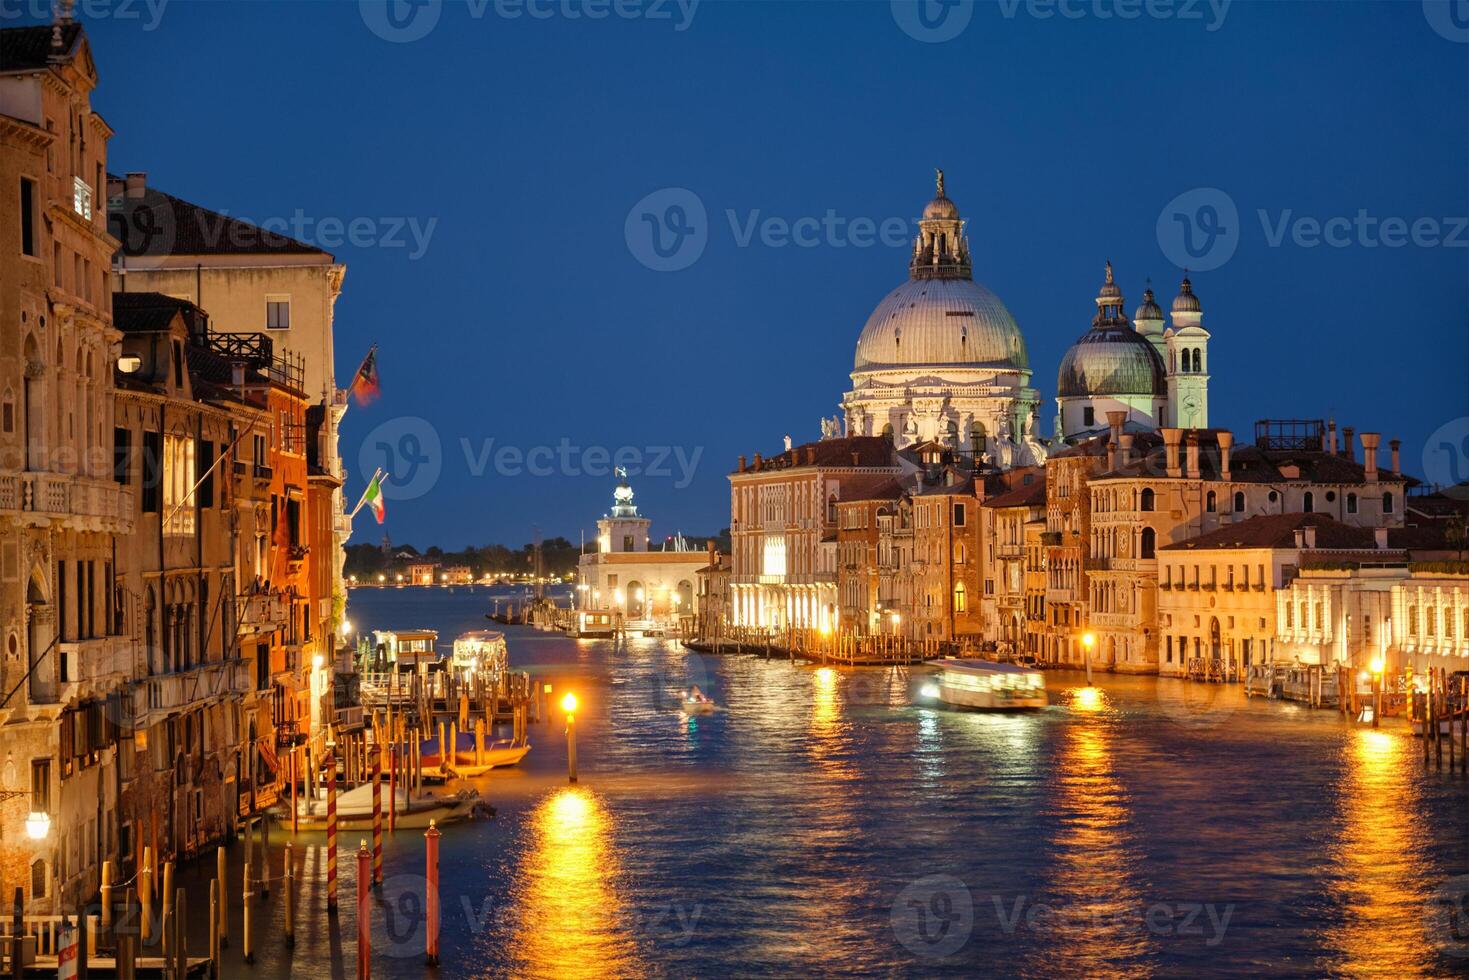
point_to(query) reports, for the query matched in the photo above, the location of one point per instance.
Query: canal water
(826, 823)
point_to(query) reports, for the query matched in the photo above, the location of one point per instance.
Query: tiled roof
(887, 490)
(147, 312)
(1026, 495)
(29, 48)
(848, 451)
(161, 224)
(1279, 531)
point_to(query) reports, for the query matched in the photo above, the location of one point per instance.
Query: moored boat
(354, 808)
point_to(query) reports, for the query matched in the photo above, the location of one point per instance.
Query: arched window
(1239, 501)
(959, 553)
(831, 509)
(960, 599)
(1211, 502)
(1351, 503)
(977, 439)
(1145, 502)
(1198, 360)
(1149, 543)
(952, 429)
(1308, 504)
(887, 433)
(1387, 503)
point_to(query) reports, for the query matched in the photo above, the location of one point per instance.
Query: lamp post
(568, 705)
(1088, 641)
(38, 822)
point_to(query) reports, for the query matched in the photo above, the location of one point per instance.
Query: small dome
(1150, 310)
(941, 207)
(1111, 360)
(1186, 301)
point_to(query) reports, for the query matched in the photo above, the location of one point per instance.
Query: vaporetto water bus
(986, 685)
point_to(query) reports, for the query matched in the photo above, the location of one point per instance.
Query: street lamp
(1088, 641)
(568, 705)
(38, 822)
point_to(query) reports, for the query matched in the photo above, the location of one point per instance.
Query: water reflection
(1382, 885)
(570, 919)
(1094, 927)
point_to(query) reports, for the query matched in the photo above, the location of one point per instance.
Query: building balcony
(95, 666)
(262, 612)
(83, 502)
(157, 697)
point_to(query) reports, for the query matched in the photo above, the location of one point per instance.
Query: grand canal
(823, 824)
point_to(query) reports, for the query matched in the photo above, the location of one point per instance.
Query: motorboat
(480, 650)
(986, 685)
(696, 703)
(469, 757)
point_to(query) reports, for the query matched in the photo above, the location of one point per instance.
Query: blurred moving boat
(987, 686)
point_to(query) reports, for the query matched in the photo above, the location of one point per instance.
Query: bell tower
(1188, 361)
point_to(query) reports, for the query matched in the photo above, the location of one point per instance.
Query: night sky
(520, 146)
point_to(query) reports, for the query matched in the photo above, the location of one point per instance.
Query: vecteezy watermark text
(148, 12)
(405, 21)
(568, 459)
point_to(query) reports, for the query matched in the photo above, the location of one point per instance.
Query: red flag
(365, 385)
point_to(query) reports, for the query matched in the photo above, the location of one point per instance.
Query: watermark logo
(1447, 918)
(568, 459)
(145, 225)
(668, 229)
(933, 21)
(408, 451)
(1448, 18)
(933, 916)
(401, 21)
(1446, 457)
(1199, 229)
(404, 900)
(147, 12)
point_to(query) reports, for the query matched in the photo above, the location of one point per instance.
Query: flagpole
(218, 459)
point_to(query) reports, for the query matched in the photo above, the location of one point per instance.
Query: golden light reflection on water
(1383, 881)
(1095, 924)
(570, 920)
(827, 729)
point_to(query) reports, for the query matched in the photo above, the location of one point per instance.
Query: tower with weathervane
(622, 530)
(1188, 362)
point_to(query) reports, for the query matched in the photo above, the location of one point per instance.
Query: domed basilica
(942, 360)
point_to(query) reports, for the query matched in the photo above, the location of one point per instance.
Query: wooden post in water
(247, 948)
(221, 875)
(331, 834)
(168, 908)
(431, 895)
(17, 928)
(127, 942)
(364, 914)
(214, 927)
(107, 898)
(295, 804)
(145, 898)
(262, 833)
(290, 874)
(377, 818)
(179, 943)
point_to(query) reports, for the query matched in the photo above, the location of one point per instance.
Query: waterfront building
(944, 563)
(1011, 526)
(624, 577)
(66, 655)
(252, 281)
(1430, 616)
(864, 529)
(941, 359)
(783, 528)
(713, 595)
(423, 573)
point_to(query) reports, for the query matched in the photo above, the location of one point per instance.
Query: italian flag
(373, 498)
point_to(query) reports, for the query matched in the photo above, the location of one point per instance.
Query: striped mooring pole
(431, 894)
(331, 832)
(364, 912)
(377, 817)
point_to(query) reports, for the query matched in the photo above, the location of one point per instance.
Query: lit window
(178, 484)
(960, 601)
(81, 198)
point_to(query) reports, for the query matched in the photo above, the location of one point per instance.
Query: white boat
(354, 808)
(480, 650)
(699, 706)
(986, 685)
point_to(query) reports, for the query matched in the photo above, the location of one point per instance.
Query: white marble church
(941, 359)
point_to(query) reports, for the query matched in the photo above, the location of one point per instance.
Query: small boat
(986, 685)
(695, 702)
(354, 808)
(464, 760)
(480, 650)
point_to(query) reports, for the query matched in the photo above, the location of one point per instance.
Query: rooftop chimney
(788, 443)
(1114, 437)
(1310, 532)
(1395, 445)
(1226, 443)
(742, 464)
(1191, 455)
(1126, 448)
(757, 461)
(1379, 538)
(136, 183)
(1171, 439)
(1369, 454)
(1331, 437)
(1300, 537)
(1346, 442)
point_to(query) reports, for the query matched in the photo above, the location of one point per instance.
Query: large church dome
(941, 322)
(941, 317)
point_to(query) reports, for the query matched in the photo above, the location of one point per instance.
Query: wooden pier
(813, 646)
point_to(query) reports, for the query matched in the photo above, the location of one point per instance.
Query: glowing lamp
(38, 825)
(1378, 664)
(568, 703)
(1088, 640)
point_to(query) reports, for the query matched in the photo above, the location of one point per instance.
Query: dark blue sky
(528, 318)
